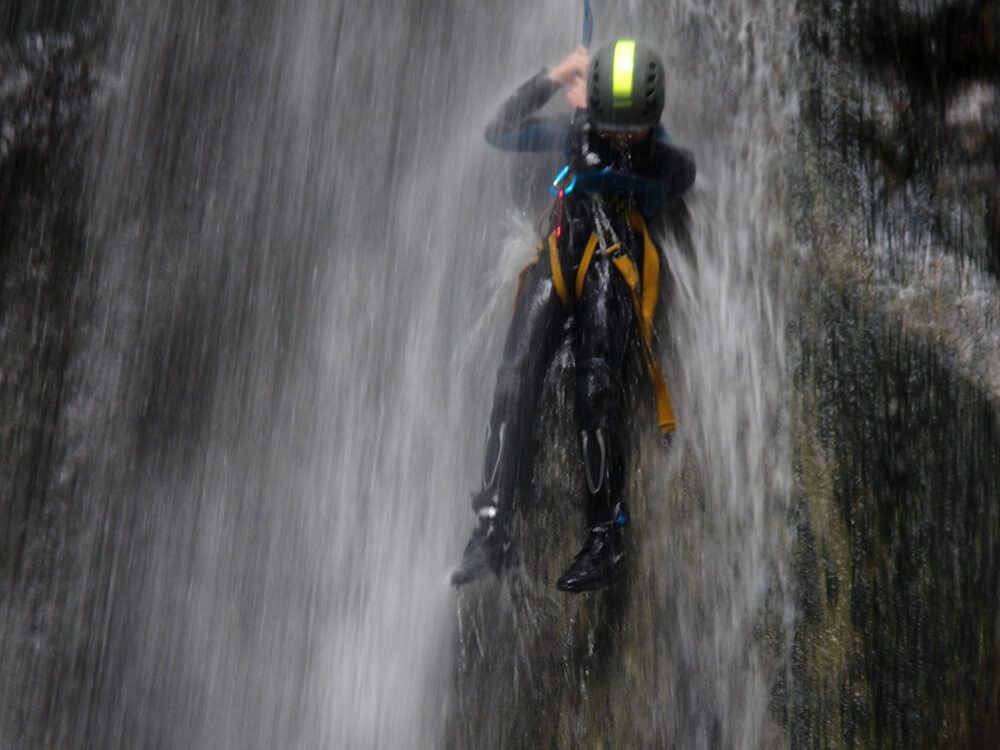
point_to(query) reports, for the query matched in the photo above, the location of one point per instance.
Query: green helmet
(625, 86)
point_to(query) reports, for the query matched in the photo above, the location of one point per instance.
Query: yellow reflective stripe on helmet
(621, 81)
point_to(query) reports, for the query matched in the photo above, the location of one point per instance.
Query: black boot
(486, 551)
(600, 562)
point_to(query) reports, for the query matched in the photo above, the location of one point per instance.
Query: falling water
(298, 260)
(709, 604)
(729, 322)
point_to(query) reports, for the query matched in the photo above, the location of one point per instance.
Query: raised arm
(515, 126)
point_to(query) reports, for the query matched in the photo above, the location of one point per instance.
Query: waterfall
(297, 264)
(257, 271)
(729, 319)
(698, 643)
(280, 391)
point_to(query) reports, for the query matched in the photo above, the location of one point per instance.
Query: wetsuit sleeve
(515, 128)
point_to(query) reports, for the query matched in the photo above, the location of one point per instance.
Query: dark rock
(46, 94)
(898, 377)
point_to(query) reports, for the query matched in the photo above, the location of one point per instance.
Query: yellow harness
(645, 290)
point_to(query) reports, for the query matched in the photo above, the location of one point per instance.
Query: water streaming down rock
(285, 222)
(265, 371)
(687, 652)
(238, 481)
(289, 212)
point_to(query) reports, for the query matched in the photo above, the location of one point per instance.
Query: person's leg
(532, 339)
(605, 323)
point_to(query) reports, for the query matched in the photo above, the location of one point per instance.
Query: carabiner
(564, 182)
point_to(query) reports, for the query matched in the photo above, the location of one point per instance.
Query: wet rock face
(896, 391)
(19, 17)
(908, 96)
(46, 92)
(45, 95)
(45, 89)
(898, 564)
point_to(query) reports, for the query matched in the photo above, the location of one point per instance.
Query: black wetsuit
(610, 179)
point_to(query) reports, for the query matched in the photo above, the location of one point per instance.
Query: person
(595, 277)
